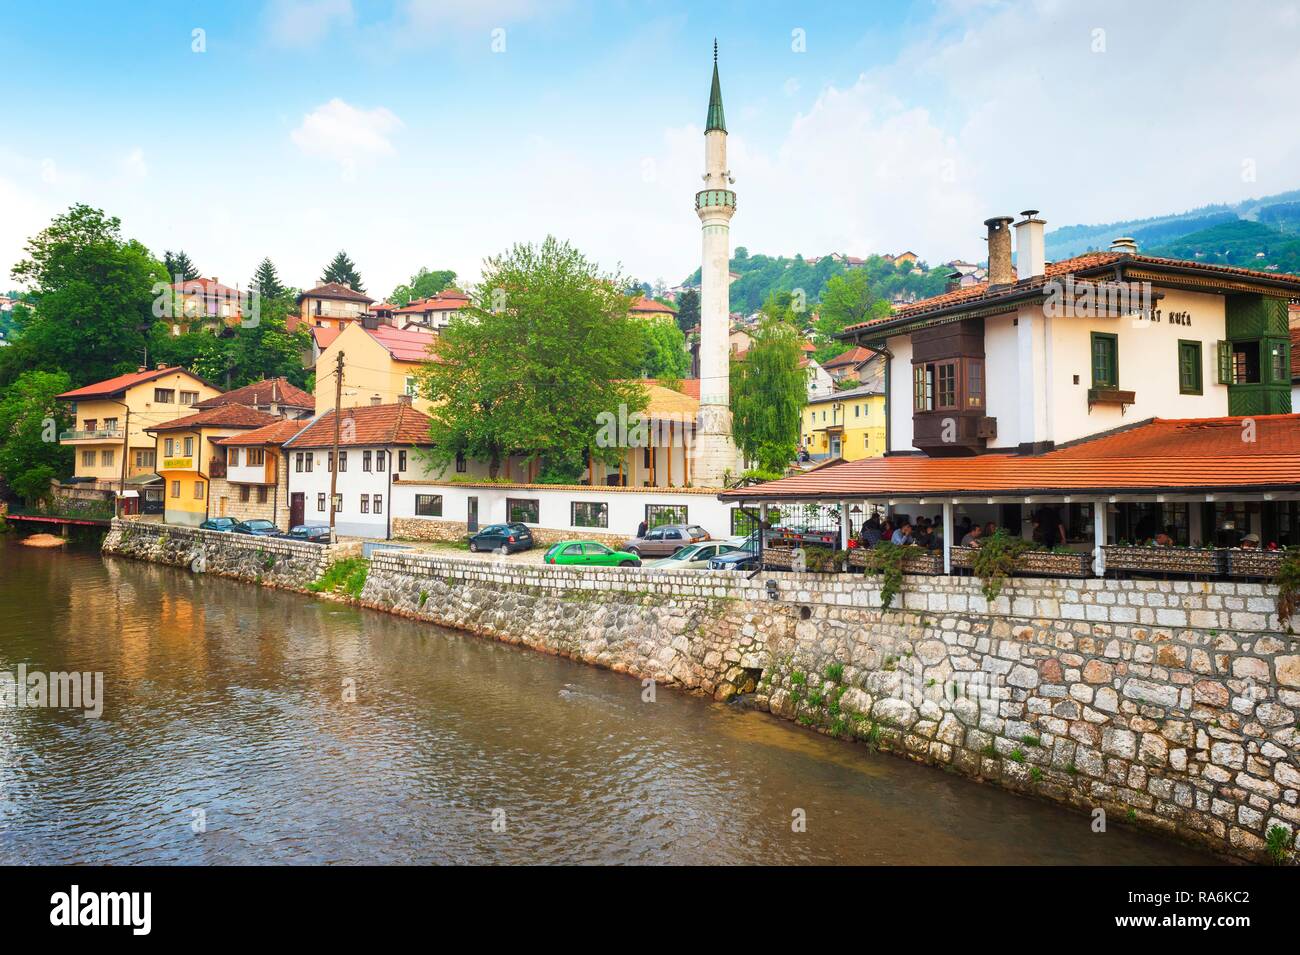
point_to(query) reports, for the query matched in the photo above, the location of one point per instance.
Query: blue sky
(414, 132)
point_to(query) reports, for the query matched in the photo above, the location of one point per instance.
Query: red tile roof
(444, 301)
(403, 344)
(324, 337)
(1091, 261)
(114, 386)
(367, 425)
(273, 434)
(269, 391)
(336, 291)
(226, 416)
(854, 356)
(1187, 455)
(689, 386)
(643, 304)
(206, 288)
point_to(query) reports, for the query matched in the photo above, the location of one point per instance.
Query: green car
(589, 554)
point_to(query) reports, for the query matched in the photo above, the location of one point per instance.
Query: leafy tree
(423, 284)
(268, 349)
(179, 267)
(665, 353)
(768, 391)
(30, 419)
(846, 300)
(94, 294)
(266, 281)
(545, 347)
(342, 270)
(688, 310)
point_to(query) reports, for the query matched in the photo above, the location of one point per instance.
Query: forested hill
(762, 276)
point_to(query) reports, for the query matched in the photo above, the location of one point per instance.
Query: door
(471, 520)
(221, 508)
(296, 508)
(835, 446)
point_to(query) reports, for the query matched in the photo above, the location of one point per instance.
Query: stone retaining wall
(290, 565)
(1169, 705)
(437, 529)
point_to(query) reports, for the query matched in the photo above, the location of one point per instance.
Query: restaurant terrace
(1207, 497)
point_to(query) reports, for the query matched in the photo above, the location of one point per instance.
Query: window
(857, 411)
(1245, 363)
(410, 386)
(1105, 360)
(1223, 354)
(365, 503)
(1189, 367)
(176, 488)
(307, 459)
(922, 388)
(90, 424)
(380, 460)
(297, 462)
(1277, 364)
(974, 382)
(656, 514)
(365, 460)
(589, 514)
(379, 503)
(189, 447)
(88, 459)
(460, 463)
(401, 461)
(144, 459)
(262, 494)
(164, 396)
(169, 447)
(110, 424)
(428, 505)
(189, 397)
(255, 457)
(106, 458)
(243, 493)
(320, 502)
(198, 490)
(521, 510)
(945, 393)
(343, 461)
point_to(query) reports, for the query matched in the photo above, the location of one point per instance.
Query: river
(244, 725)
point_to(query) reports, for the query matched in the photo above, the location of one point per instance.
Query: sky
(436, 133)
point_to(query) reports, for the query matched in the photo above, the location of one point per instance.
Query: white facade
(624, 509)
(365, 495)
(1038, 371)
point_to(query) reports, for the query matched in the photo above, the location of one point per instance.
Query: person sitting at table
(990, 529)
(886, 530)
(1250, 542)
(903, 535)
(972, 536)
(869, 534)
(1163, 540)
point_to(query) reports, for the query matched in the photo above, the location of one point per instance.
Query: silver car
(692, 556)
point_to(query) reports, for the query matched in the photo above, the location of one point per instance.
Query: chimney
(142, 368)
(369, 321)
(999, 240)
(1124, 243)
(404, 400)
(953, 283)
(1030, 255)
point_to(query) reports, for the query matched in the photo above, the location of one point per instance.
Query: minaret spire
(715, 119)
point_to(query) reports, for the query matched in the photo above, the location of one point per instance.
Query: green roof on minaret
(716, 120)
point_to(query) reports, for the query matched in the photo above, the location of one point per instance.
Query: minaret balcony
(714, 199)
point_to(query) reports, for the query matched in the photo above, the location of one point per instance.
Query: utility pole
(334, 468)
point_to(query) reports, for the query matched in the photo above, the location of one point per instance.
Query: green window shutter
(1224, 356)
(1189, 368)
(1105, 360)
(918, 388)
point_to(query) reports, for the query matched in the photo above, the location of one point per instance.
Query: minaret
(714, 451)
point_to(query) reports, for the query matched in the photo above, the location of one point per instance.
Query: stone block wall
(437, 529)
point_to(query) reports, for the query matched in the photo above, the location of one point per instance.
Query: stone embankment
(1172, 706)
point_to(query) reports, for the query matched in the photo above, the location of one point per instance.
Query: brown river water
(225, 711)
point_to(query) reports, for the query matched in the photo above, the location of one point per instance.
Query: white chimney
(1124, 243)
(1030, 254)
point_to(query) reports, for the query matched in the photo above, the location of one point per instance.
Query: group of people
(926, 532)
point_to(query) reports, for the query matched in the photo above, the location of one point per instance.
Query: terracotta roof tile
(113, 386)
(367, 425)
(403, 344)
(1196, 437)
(274, 434)
(649, 305)
(336, 291)
(854, 356)
(689, 386)
(225, 416)
(266, 392)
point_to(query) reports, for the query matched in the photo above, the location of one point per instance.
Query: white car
(693, 556)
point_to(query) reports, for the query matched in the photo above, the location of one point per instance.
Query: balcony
(217, 468)
(99, 434)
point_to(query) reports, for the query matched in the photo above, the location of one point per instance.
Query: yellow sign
(178, 464)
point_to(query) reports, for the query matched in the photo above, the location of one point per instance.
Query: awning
(142, 479)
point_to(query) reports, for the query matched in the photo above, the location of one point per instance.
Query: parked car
(747, 542)
(589, 554)
(314, 533)
(512, 537)
(735, 560)
(218, 524)
(693, 556)
(257, 528)
(664, 540)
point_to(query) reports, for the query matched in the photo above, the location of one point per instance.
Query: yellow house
(111, 418)
(188, 459)
(380, 364)
(845, 424)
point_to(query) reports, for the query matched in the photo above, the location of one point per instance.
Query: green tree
(268, 349)
(94, 293)
(30, 420)
(846, 300)
(342, 270)
(179, 267)
(665, 353)
(423, 284)
(688, 310)
(543, 353)
(266, 281)
(768, 392)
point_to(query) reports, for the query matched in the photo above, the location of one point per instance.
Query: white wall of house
(625, 508)
(900, 394)
(1002, 377)
(354, 483)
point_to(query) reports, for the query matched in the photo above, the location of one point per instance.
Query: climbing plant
(996, 558)
(1288, 587)
(887, 560)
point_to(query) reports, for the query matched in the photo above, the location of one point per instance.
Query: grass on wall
(346, 576)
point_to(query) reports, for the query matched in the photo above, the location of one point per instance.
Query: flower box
(1056, 563)
(1252, 563)
(1164, 560)
(920, 562)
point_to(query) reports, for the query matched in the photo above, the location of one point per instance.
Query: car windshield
(597, 549)
(260, 524)
(684, 553)
(696, 531)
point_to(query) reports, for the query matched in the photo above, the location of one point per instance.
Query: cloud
(345, 134)
(133, 164)
(304, 23)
